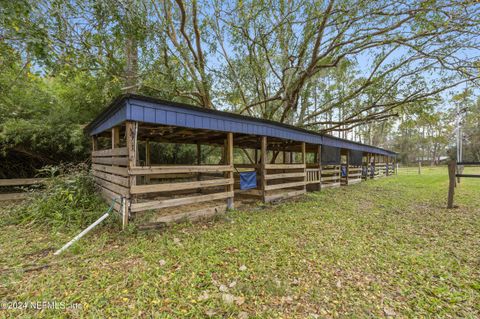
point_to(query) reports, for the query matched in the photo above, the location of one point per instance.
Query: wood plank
(108, 196)
(157, 204)
(331, 185)
(229, 161)
(250, 192)
(263, 162)
(122, 171)
(354, 181)
(285, 185)
(312, 182)
(246, 165)
(168, 187)
(122, 181)
(330, 171)
(354, 175)
(122, 161)
(285, 195)
(155, 170)
(111, 186)
(121, 151)
(330, 178)
(204, 213)
(13, 196)
(284, 166)
(284, 175)
(21, 181)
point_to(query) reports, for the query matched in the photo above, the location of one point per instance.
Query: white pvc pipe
(86, 230)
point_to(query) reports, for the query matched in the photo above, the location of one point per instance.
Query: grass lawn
(381, 248)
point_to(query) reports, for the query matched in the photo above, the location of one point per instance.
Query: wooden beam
(285, 185)
(174, 169)
(284, 166)
(263, 168)
(21, 181)
(319, 163)
(158, 204)
(115, 137)
(203, 213)
(229, 174)
(121, 161)
(94, 143)
(284, 195)
(13, 196)
(147, 159)
(131, 139)
(304, 162)
(122, 171)
(122, 151)
(170, 187)
(284, 175)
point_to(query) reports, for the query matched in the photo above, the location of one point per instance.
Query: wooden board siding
(109, 169)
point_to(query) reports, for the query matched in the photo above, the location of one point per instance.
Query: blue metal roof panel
(149, 110)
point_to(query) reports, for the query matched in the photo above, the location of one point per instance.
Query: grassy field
(382, 248)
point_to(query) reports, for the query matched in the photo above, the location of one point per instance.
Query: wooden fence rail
(18, 182)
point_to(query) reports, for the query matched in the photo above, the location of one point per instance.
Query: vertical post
(419, 167)
(256, 156)
(147, 159)
(94, 143)
(304, 162)
(263, 162)
(131, 139)
(451, 183)
(115, 137)
(319, 162)
(229, 161)
(348, 167)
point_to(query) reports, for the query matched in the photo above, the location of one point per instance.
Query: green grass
(384, 247)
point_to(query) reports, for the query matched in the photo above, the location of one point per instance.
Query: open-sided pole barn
(281, 160)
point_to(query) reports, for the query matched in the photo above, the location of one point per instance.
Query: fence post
(451, 183)
(419, 167)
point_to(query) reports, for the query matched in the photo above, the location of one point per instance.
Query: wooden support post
(115, 137)
(451, 184)
(348, 168)
(229, 161)
(263, 162)
(256, 156)
(304, 162)
(147, 159)
(131, 139)
(319, 162)
(94, 143)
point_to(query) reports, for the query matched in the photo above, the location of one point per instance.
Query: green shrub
(69, 201)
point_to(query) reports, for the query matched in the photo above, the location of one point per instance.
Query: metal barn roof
(131, 107)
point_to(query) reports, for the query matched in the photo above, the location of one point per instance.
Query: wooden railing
(283, 181)
(18, 182)
(313, 175)
(330, 176)
(184, 187)
(109, 168)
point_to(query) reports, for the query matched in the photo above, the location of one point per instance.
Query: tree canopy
(358, 69)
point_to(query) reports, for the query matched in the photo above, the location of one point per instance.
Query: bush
(69, 201)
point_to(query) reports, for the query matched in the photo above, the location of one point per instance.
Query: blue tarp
(344, 171)
(248, 180)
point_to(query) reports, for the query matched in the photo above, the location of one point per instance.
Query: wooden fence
(13, 183)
